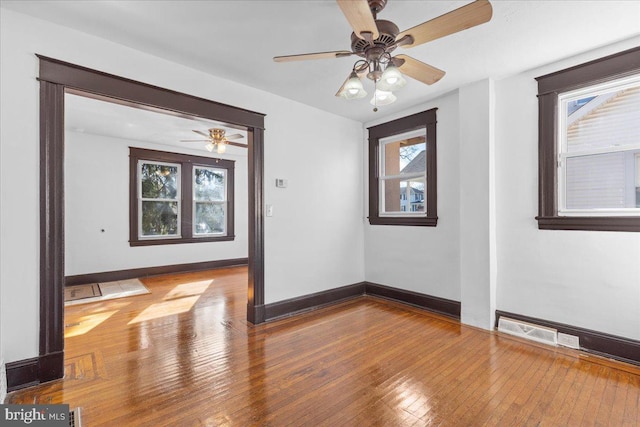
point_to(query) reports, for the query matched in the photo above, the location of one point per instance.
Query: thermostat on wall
(281, 183)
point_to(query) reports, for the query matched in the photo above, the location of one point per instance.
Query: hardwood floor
(184, 355)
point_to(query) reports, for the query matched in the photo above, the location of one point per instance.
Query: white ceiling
(96, 117)
(236, 40)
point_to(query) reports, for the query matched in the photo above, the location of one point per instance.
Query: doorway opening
(56, 78)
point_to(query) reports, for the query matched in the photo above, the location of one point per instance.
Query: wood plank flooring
(185, 356)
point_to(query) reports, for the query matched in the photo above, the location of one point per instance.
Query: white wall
(313, 242)
(424, 259)
(97, 198)
(477, 204)
(589, 279)
(583, 278)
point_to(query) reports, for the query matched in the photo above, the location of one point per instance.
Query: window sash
(564, 155)
(403, 177)
(177, 200)
(419, 178)
(223, 203)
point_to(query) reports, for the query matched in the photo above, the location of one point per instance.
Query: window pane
(159, 218)
(209, 218)
(608, 120)
(159, 181)
(209, 184)
(405, 156)
(402, 195)
(602, 181)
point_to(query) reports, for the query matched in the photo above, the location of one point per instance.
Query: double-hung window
(179, 198)
(589, 145)
(402, 171)
(599, 148)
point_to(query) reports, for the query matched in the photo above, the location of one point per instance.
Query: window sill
(411, 221)
(152, 242)
(590, 223)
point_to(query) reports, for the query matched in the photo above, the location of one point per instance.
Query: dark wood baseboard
(314, 301)
(110, 276)
(30, 372)
(600, 343)
(439, 305)
(256, 314)
(23, 373)
(304, 303)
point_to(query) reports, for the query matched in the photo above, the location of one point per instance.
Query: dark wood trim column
(51, 230)
(255, 291)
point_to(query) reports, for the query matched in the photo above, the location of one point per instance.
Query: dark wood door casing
(57, 77)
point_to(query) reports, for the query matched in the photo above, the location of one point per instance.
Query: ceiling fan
(217, 140)
(375, 39)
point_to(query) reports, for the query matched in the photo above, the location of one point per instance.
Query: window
(589, 146)
(179, 198)
(402, 171)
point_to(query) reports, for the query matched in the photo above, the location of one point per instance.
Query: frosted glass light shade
(381, 97)
(209, 147)
(222, 147)
(353, 88)
(391, 79)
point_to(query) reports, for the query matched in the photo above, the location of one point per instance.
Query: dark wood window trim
(187, 163)
(550, 86)
(406, 124)
(57, 77)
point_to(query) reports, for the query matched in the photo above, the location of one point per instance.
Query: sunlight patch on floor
(188, 289)
(86, 323)
(167, 308)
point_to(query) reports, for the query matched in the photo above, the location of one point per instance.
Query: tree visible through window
(209, 199)
(179, 198)
(159, 199)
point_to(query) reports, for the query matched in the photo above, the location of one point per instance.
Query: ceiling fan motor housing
(388, 32)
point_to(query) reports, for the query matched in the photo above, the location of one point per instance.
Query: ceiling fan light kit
(375, 39)
(217, 140)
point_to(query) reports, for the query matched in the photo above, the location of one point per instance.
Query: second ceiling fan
(375, 39)
(217, 140)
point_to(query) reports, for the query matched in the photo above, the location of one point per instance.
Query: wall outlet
(281, 183)
(269, 209)
(567, 340)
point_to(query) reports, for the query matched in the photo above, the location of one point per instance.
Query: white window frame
(224, 202)
(563, 155)
(418, 176)
(141, 199)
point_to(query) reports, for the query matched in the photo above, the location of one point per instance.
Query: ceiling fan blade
(476, 13)
(234, 136)
(237, 144)
(316, 55)
(360, 18)
(199, 132)
(420, 71)
(195, 140)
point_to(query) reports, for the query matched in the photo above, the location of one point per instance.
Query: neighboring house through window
(589, 145)
(402, 171)
(179, 198)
